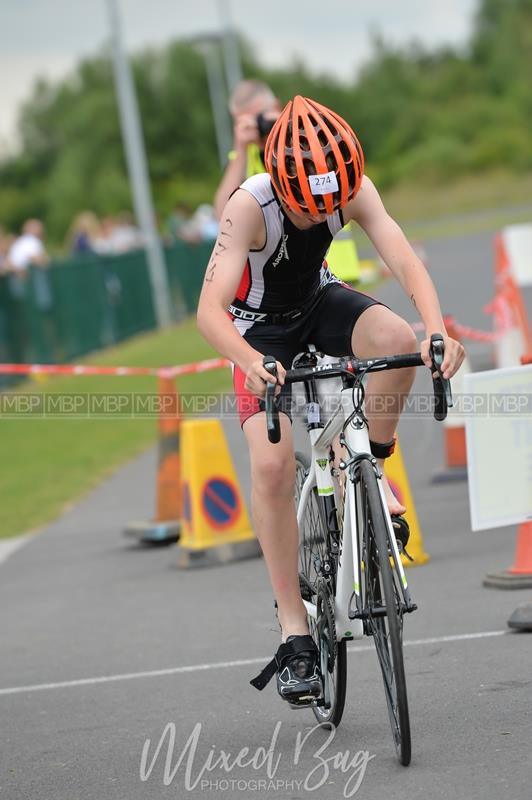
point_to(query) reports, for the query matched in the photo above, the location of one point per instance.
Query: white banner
(499, 447)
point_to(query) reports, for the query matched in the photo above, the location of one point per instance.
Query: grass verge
(49, 463)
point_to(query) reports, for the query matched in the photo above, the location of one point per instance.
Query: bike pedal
(306, 704)
(306, 701)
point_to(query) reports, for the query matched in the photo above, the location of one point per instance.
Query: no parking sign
(220, 502)
(213, 509)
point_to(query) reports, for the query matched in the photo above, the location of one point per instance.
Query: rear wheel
(384, 604)
(316, 589)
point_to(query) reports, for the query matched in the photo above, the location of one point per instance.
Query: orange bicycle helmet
(314, 159)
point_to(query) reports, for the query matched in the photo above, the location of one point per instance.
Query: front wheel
(313, 553)
(384, 608)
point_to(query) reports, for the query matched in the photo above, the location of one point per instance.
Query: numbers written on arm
(220, 247)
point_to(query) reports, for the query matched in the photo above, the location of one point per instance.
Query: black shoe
(298, 673)
(402, 533)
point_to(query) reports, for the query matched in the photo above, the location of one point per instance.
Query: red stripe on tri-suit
(247, 403)
(245, 283)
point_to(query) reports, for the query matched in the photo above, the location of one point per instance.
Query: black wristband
(382, 449)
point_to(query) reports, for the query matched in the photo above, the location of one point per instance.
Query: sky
(45, 38)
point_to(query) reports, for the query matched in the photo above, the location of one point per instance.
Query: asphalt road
(105, 645)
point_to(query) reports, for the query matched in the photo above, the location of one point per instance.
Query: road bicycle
(351, 576)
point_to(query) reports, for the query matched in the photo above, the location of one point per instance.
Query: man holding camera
(254, 109)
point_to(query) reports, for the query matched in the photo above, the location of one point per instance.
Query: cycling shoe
(298, 674)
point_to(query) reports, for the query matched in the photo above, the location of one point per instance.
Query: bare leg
(274, 516)
(379, 332)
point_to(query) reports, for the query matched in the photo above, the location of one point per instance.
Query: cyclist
(268, 290)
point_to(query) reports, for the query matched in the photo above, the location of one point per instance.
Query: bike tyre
(386, 630)
(313, 545)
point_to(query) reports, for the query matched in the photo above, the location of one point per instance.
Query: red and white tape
(464, 331)
(89, 369)
(190, 369)
(472, 333)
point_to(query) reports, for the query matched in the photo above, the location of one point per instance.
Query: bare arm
(234, 175)
(245, 132)
(241, 228)
(368, 210)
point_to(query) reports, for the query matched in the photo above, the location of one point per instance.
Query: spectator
(117, 235)
(6, 241)
(25, 252)
(254, 108)
(28, 249)
(103, 240)
(180, 225)
(205, 223)
(84, 233)
(126, 236)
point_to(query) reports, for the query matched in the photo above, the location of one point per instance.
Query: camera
(264, 125)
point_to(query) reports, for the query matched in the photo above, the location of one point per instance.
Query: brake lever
(272, 412)
(442, 386)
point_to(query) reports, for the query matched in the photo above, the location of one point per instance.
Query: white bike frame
(320, 477)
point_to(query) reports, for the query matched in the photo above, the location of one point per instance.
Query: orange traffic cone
(518, 576)
(517, 240)
(502, 262)
(165, 527)
(514, 337)
(523, 551)
(521, 618)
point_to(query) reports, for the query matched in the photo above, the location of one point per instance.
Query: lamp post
(131, 126)
(218, 99)
(233, 68)
(208, 44)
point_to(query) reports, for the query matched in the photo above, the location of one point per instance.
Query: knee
(405, 339)
(273, 475)
(395, 338)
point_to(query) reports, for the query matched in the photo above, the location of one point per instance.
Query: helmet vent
(344, 150)
(310, 167)
(331, 162)
(304, 143)
(291, 167)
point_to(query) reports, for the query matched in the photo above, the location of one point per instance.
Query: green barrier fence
(78, 305)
